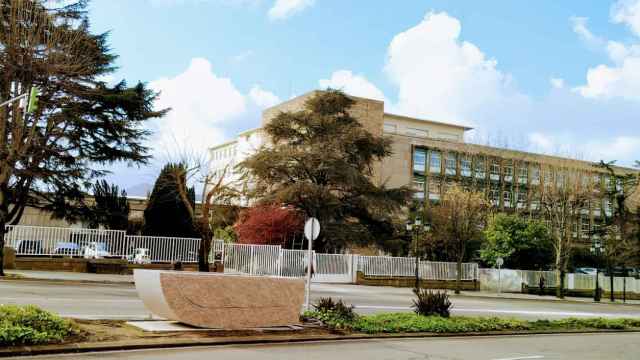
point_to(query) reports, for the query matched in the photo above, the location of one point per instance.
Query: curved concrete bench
(218, 301)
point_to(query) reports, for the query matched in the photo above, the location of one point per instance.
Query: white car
(140, 256)
(95, 250)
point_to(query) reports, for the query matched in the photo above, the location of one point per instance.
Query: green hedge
(411, 323)
(30, 325)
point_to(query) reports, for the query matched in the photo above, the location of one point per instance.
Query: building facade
(431, 156)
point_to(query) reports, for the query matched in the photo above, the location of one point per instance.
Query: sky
(548, 76)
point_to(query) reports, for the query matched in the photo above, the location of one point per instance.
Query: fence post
(251, 260)
(280, 261)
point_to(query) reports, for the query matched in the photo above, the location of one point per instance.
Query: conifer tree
(166, 214)
(49, 155)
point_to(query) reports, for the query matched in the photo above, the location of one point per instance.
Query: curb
(67, 281)
(259, 340)
(572, 301)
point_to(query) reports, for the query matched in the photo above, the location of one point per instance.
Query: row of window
(510, 199)
(224, 153)
(476, 168)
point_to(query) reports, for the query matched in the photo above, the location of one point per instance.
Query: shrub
(335, 315)
(407, 322)
(30, 325)
(429, 303)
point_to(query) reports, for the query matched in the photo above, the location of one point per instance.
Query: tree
(457, 221)
(523, 243)
(110, 208)
(81, 123)
(619, 231)
(166, 213)
(216, 192)
(563, 202)
(268, 224)
(321, 161)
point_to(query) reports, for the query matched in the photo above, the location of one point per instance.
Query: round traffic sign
(312, 229)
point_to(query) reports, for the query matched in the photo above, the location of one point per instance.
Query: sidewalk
(72, 276)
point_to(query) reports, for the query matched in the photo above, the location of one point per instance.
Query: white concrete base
(174, 326)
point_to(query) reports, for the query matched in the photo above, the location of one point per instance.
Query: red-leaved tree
(268, 225)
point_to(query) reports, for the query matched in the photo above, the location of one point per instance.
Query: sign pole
(311, 232)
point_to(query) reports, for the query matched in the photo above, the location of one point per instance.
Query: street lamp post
(416, 229)
(597, 251)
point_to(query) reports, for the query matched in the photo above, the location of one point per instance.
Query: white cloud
(356, 85)
(263, 98)
(579, 25)
(242, 56)
(201, 103)
(627, 12)
(557, 83)
(439, 76)
(283, 9)
(620, 79)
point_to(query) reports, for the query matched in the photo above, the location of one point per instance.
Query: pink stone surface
(221, 301)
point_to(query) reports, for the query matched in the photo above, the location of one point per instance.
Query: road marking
(523, 357)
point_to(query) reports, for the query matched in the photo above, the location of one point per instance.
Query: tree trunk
(203, 252)
(458, 276)
(611, 297)
(2, 244)
(560, 288)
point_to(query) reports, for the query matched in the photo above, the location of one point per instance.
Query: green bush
(30, 325)
(408, 322)
(336, 315)
(429, 303)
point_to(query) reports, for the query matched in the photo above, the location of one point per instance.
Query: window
(480, 168)
(434, 190)
(450, 165)
(419, 160)
(522, 199)
(494, 196)
(584, 227)
(465, 166)
(418, 186)
(390, 128)
(535, 175)
(597, 208)
(561, 176)
(508, 172)
(535, 204)
(417, 132)
(608, 209)
(506, 198)
(495, 171)
(548, 177)
(523, 173)
(435, 163)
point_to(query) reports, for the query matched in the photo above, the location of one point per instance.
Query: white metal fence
(404, 266)
(53, 241)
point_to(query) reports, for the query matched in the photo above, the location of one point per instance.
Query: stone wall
(9, 259)
(409, 282)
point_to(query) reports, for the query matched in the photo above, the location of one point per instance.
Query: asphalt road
(108, 301)
(546, 347)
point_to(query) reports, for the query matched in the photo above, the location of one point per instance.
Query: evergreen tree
(321, 161)
(110, 208)
(166, 214)
(49, 154)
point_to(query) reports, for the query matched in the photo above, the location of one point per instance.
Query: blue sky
(546, 76)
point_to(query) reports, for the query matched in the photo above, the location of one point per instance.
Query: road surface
(619, 346)
(109, 301)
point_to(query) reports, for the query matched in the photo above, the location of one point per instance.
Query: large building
(431, 155)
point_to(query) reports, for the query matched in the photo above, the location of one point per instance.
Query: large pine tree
(166, 214)
(48, 157)
(321, 162)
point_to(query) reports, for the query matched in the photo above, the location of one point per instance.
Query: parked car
(586, 270)
(140, 256)
(31, 247)
(95, 250)
(66, 248)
